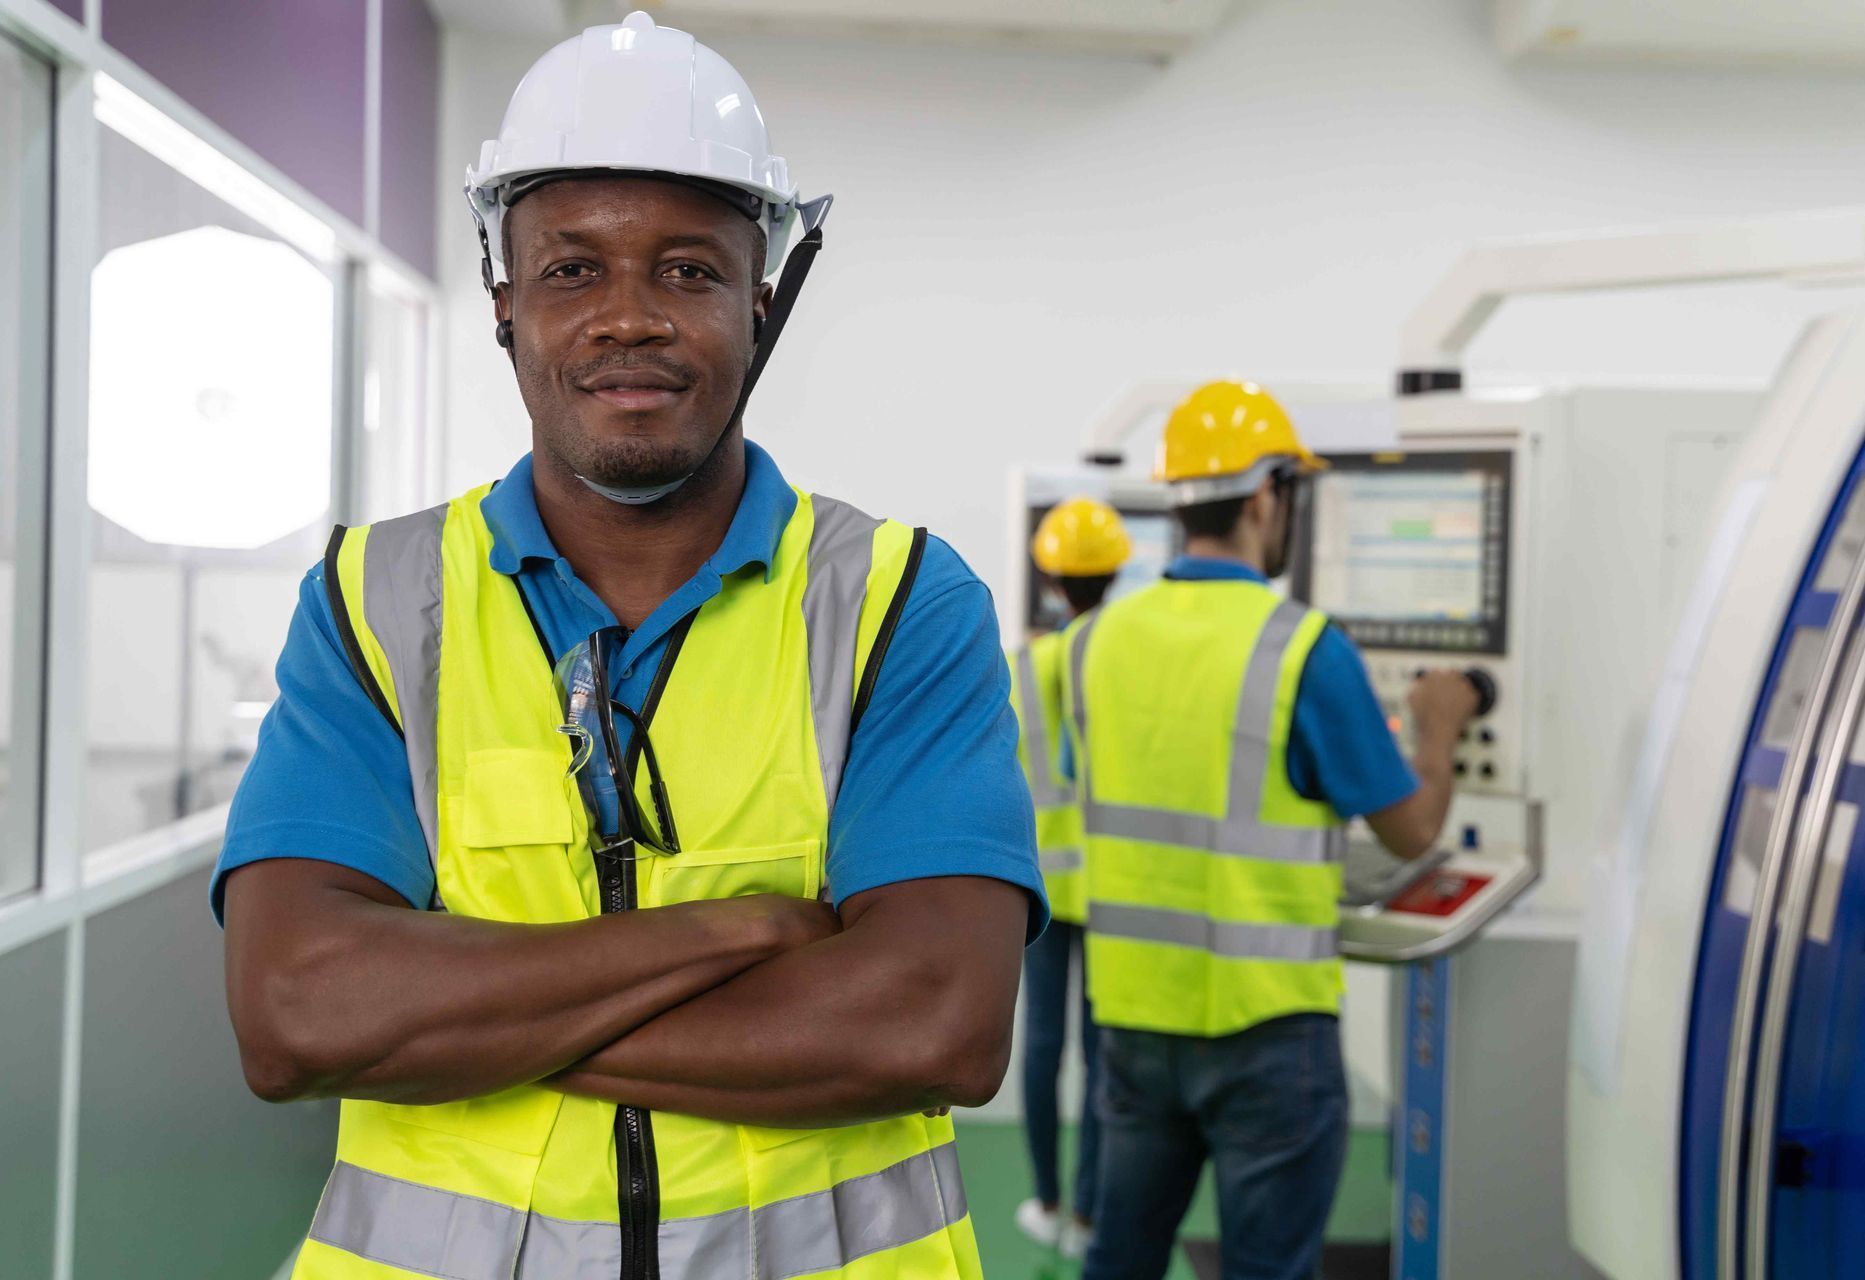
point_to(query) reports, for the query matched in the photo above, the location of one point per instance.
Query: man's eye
(690, 271)
(569, 271)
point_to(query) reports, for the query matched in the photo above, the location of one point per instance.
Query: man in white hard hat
(638, 846)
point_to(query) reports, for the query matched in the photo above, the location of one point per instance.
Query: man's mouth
(635, 390)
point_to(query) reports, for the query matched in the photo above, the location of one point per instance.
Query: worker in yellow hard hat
(1221, 736)
(1079, 547)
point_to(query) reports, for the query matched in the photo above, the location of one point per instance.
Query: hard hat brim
(1190, 491)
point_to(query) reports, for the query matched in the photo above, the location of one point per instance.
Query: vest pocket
(793, 869)
(515, 796)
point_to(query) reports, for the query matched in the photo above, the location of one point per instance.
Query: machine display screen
(1409, 551)
(1155, 542)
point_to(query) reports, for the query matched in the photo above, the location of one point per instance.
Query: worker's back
(1213, 885)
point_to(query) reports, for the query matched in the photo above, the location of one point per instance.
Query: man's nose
(628, 312)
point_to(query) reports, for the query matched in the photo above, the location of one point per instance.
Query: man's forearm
(907, 1009)
(337, 991)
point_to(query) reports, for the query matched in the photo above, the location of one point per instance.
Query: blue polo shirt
(932, 786)
(1340, 748)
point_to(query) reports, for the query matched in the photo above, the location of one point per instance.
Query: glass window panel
(1799, 669)
(212, 409)
(1751, 842)
(25, 228)
(1847, 546)
(394, 467)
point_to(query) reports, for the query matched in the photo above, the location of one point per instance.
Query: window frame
(21, 817)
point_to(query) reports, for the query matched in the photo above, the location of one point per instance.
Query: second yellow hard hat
(1081, 538)
(1223, 439)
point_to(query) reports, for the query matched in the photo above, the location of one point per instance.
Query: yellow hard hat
(1081, 538)
(1223, 440)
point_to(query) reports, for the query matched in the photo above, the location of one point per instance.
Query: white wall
(1018, 236)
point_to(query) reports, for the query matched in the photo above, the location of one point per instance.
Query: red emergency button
(1439, 894)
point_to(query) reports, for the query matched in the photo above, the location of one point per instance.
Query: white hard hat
(636, 97)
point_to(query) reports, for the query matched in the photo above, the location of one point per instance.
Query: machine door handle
(1757, 952)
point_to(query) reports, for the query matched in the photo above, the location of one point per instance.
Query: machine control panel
(1488, 758)
(1410, 553)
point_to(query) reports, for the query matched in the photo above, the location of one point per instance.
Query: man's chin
(645, 467)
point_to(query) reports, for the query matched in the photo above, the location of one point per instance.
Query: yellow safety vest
(757, 700)
(1213, 887)
(1036, 693)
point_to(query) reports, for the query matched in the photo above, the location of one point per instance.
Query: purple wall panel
(73, 9)
(283, 76)
(410, 125)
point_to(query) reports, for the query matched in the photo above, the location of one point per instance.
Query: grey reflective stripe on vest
(841, 551)
(402, 604)
(1077, 662)
(1057, 860)
(1046, 792)
(1229, 939)
(417, 1228)
(1241, 832)
(443, 1233)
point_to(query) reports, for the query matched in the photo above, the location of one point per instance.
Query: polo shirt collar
(765, 508)
(1211, 568)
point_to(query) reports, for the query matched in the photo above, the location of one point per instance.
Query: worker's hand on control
(1442, 701)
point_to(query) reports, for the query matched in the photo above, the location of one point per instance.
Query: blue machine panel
(1822, 1098)
(1418, 1137)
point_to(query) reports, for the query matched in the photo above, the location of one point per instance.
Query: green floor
(997, 1179)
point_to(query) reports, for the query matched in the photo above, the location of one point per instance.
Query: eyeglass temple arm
(657, 787)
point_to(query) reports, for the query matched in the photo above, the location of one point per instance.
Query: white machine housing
(1650, 886)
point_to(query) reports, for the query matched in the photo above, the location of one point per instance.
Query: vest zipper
(637, 1181)
(637, 1188)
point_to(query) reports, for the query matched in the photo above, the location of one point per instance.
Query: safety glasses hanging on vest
(599, 753)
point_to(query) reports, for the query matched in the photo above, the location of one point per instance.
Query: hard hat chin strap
(635, 497)
(812, 215)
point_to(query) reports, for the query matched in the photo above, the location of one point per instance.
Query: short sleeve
(932, 786)
(1340, 748)
(330, 778)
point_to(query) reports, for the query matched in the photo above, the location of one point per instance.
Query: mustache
(634, 360)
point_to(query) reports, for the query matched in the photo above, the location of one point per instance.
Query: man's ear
(502, 312)
(760, 307)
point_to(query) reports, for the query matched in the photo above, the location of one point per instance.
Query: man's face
(631, 302)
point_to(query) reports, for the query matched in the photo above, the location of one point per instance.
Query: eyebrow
(697, 240)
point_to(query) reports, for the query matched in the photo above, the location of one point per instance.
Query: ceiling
(1782, 33)
(1141, 28)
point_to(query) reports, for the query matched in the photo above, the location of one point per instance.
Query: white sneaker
(1075, 1240)
(1044, 1226)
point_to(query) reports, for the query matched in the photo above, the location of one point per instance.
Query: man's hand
(337, 989)
(1442, 702)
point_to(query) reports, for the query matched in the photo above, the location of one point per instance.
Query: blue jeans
(1268, 1105)
(1045, 1033)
